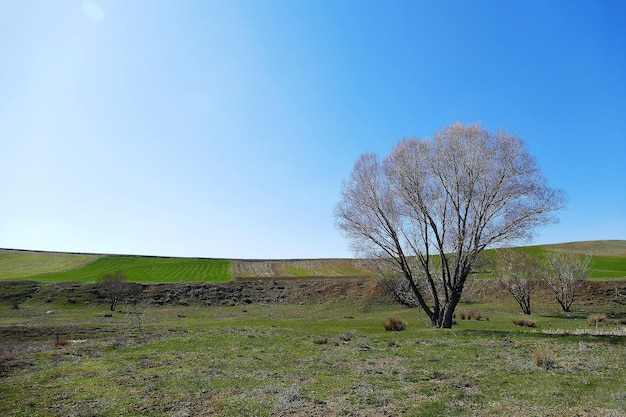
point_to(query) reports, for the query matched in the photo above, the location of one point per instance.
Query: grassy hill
(56, 267)
(608, 262)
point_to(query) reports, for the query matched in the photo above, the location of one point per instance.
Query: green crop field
(56, 267)
(607, 267)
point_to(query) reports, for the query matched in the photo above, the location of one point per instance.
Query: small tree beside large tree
(433, 205)
(519, 274)
(567, 272)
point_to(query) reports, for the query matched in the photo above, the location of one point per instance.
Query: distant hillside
(58, 266)
(609, 261)
(592, 247)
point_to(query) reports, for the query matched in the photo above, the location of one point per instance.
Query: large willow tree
(432, 206)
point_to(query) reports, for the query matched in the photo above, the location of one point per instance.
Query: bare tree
(567, 272)
(115, 287)
(519, 273)
(432, 206)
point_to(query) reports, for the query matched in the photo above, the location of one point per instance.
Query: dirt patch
(305, 268)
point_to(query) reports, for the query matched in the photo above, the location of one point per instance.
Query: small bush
(345, 338)
(524, 323)
(594, 319)
(475, 315)
(321, 341)
(394, 325)
(61, 342)
(544, 359)
(462, 315)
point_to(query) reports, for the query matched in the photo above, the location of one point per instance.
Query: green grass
(607, 267)
(265, 360)
(89, 268)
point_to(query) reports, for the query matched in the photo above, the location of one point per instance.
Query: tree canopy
(433, 205)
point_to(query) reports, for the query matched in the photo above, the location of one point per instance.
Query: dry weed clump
(544, 359)
(475, 315)
(394, 325)
(61, 342)
(594, 319)
(472, 315)
(321, 341)
(524, 322)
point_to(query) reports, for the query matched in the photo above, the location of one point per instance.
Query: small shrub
(544, 359)
(61, 342)
(462, 315)
(594, 319)
(345, 338)
(475, 315)
(394, 325)
(524, 322)
(321, 341)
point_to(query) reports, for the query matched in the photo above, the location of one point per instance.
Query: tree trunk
(442, 319)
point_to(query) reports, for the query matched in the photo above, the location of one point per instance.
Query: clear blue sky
(225, 128)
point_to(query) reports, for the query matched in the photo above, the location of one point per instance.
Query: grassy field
(63, 353)
(57, 267)
(331, 359)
